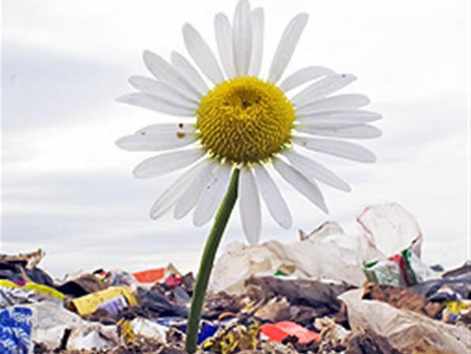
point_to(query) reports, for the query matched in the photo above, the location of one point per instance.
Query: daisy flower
(234, 119)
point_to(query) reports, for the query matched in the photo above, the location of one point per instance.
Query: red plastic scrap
(273, 332)
(279, 331)
(150, 276)
(173, 281)
(406, 277)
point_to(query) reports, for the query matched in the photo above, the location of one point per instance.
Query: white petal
(286, 47)
(322, 88)
(315, 170)
(353, 115)
(242, 37)
(318, 124)
(188, 71)
(156, 142)
(202, 54)
(168, 199)
(362, 131)
(165, 72)
(155, 104)
(304, 186)
(162, 90)
(304, 75)
(258, 24)
(273, 199)
(159, 137)
(212, 195)
(165, 163)
(156, 129)
(337, 148)
(223, 31)
(156, 65)
(191, 195)
(249, 206)
(347, 101)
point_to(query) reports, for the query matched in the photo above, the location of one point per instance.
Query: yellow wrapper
(88, 304)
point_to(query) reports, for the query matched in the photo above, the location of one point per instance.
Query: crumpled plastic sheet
(313, 258)
(326, 253)
(93, 337)
(16, 296)
(51, 321)
(407, 331)
(390, 228)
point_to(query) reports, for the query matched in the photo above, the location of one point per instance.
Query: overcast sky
(68, 189)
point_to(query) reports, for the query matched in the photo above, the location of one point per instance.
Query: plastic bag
(391, 228)
(326, 253)
(407, 331)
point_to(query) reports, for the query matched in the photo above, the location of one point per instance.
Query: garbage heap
(327, 293)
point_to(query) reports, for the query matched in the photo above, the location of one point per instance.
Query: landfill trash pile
(326, 293)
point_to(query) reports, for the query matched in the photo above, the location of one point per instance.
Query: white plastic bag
(407, 331)
(326, 253)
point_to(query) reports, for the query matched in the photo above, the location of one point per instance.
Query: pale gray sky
(68, 189)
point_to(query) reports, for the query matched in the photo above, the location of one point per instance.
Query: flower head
(245, 121)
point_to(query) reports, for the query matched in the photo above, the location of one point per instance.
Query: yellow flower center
(245, 120)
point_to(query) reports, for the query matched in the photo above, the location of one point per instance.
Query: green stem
(207, 261)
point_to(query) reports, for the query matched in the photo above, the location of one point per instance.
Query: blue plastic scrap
(16, 330)
(207, 330)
